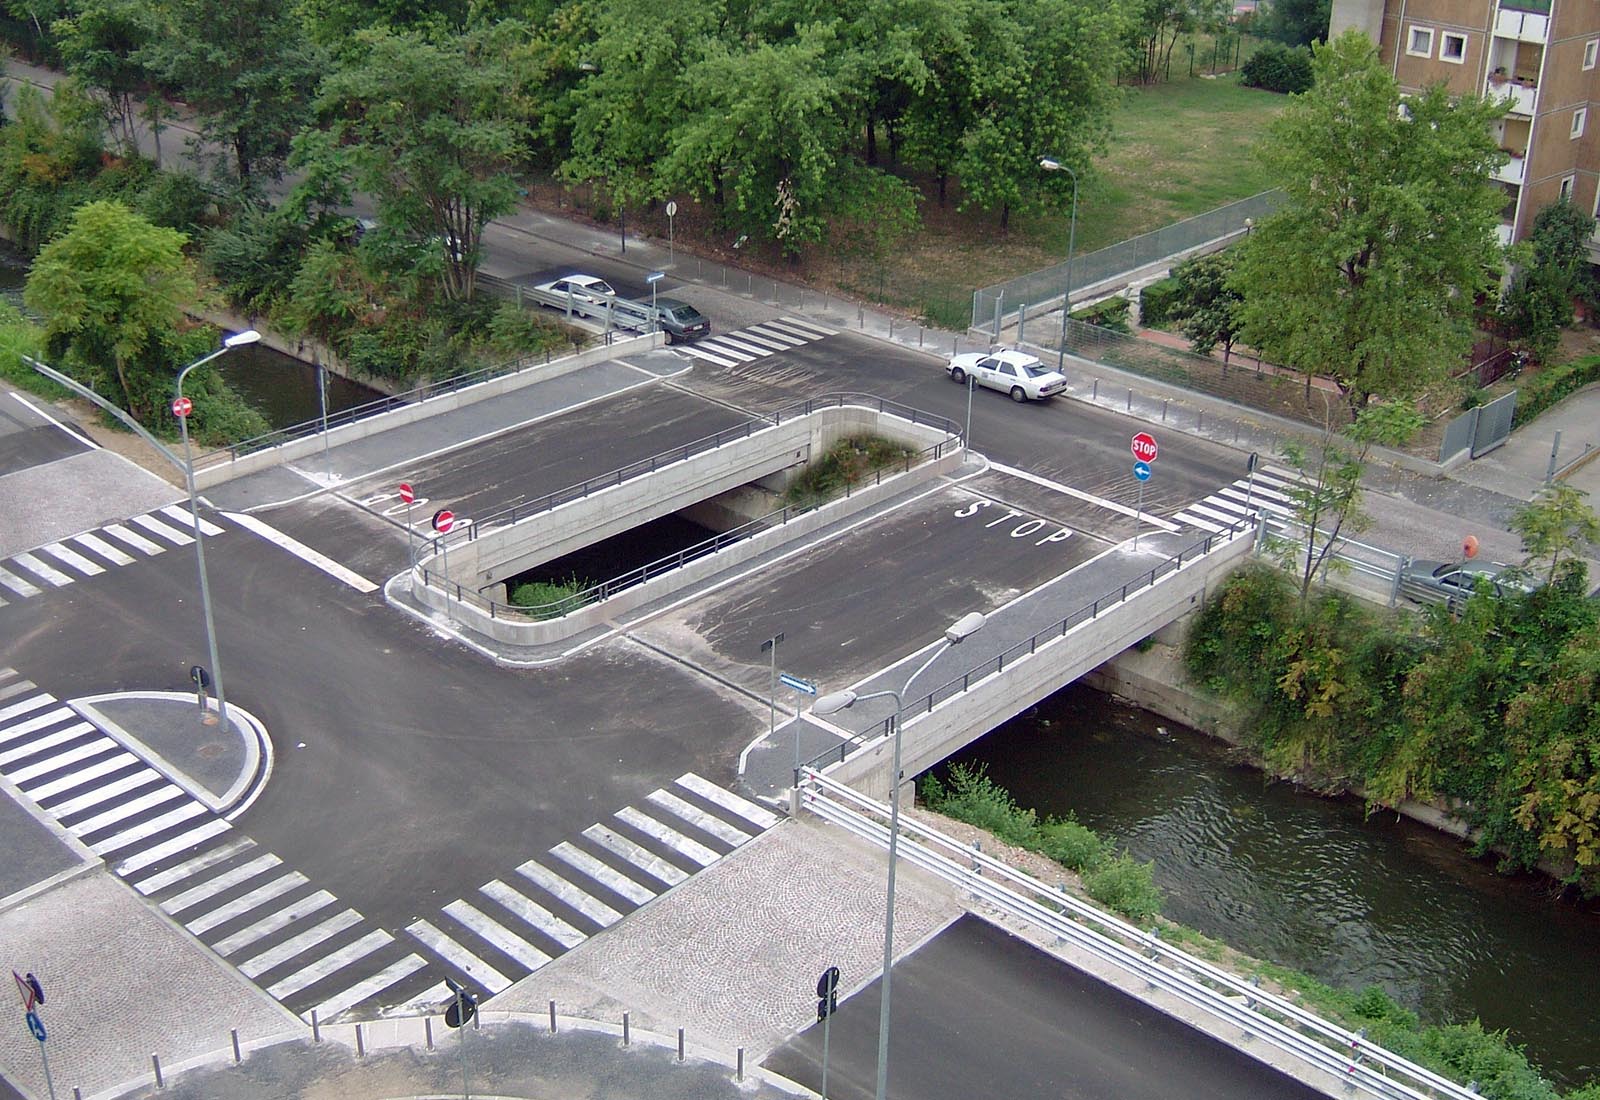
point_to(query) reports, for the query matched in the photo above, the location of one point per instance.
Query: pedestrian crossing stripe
(299, 943)
(747, 345)
(1264, 493)
(92, 553)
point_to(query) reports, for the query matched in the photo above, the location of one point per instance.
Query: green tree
(1153, 33)
(247, 68)
(112, 290)
(1299, 22)
(1554, 273)
(103, 47)
(1368, 273)
(1556, 526)
(1206, 305)
(426, 129)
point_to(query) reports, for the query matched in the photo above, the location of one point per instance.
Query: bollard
(77, 1093)
(1199, 420)
(155, 1064)
(774, 292)
(624, 1029)
(891, 328)
(724, 277)
(477, 1021)
(427, 1030)
(552, 1017)
(919, 336)
(680, 1044)
(361, 1045)
(1094, 391)
(738, 1074)
(1164, 402)
(236, 1056)
(861, 315)
(749, 285)
(316, 1029)
(1130, 398)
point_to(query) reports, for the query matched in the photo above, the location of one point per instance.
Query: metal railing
(1130, 255)
(1226, 997)
(1028, 646)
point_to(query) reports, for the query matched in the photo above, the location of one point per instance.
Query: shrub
(1072, 845)
(549, 599)
(845, 463)
(1276, 67)
(1110, 314)
(1125, 885)
(1552, 384)
(1156, 302)
(973, 797)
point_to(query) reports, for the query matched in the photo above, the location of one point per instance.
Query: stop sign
(182, 406)
(406, 493)
(443, 520)
(1144, 447)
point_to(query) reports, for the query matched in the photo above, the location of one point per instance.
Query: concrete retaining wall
(224, 468)
(957, 722)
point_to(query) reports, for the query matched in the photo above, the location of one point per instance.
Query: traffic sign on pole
(182, 407)
(36, 1026)
(407, 494)
(443, 520)
(806, 687)
(1141, 470)
(1144, 447)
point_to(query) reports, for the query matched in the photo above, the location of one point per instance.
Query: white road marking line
(183, 842)
(1112, 505)
(125, 810)
(266, 926)
(82, 776)
(689, 349)
(480, 972)
(492, 931)
(752, 812)
(530, 912)
(803, 325)
(777, 335)
(217, 884)
(279, 954)
(182, 515)
(715, 343)
(322, 968)
(374, 985)
(33, 702)
(137, 541)
(242, 904)
(199, 863)
(173, 535)
(17, 584)
(768, 343)
(565, 892)
(62, 760)
(147, 829)
(72, 559)
(1196, 521)
(648, 862)
(100, 546)
(114, 789)
(37, 722)
(752, 351)
(304, 553)
(31, 407)
(612, 879)
(669, 836)
(37, 745)
(697, 817)
(41, 570)
(1222, 516)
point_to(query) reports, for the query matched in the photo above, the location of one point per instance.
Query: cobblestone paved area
(733, 954)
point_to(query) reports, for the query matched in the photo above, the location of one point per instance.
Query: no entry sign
(407, 494)
(1144, 447)
(182, 406)
(443, 520)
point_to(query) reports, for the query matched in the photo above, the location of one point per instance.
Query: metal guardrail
(1229, 999)
(1028, 646)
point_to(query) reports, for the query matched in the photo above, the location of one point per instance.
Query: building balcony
(1511, 171)
(1524, 26)
(1502, 233)
(1522, 97)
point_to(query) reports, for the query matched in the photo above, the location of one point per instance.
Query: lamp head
(834, 702)
(964, 627)
(1050, 164)
(240, 339)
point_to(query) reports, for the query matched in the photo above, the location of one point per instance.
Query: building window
(1579, 117)
(1591, 51)
(1420, 42)
(1566, 188)
(1453, 47)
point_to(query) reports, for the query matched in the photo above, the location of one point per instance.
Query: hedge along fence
(1552, 385)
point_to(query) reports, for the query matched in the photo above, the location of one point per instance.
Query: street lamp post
(1050, 164)
(958, 632)
(249, 336)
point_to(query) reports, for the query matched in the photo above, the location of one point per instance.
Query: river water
(1311, 883)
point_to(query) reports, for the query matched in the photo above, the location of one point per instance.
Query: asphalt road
(26, 438)
(978, 1012)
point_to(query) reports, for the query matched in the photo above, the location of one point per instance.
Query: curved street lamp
(1050, 164)
(958, 632)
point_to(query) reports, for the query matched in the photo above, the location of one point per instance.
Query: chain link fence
(1107, 263)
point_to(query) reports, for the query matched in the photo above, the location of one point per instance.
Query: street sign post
(770, 647)
(443, 520)
(804, 686)
(1141, 470)
(182, 407)
(653, 278)
(32, 994)
(1143, 447)
(407, 496)
(827, 1005)
(672, 212)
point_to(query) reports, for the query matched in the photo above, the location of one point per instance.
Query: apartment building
(1539, 54)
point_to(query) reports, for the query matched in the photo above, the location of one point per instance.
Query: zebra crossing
(58, 564)
(734, 349)
(511, 926)
(1264, 492)
(301, 944)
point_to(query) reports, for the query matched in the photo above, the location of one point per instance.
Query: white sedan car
(584, 288)
(1014, 372)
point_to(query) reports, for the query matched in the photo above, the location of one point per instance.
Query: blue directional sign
(1141, 470)
(36, 1026)
(809, 687)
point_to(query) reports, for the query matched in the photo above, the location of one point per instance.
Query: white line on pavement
(31, 407)
(1112, 505)
(300, 550)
